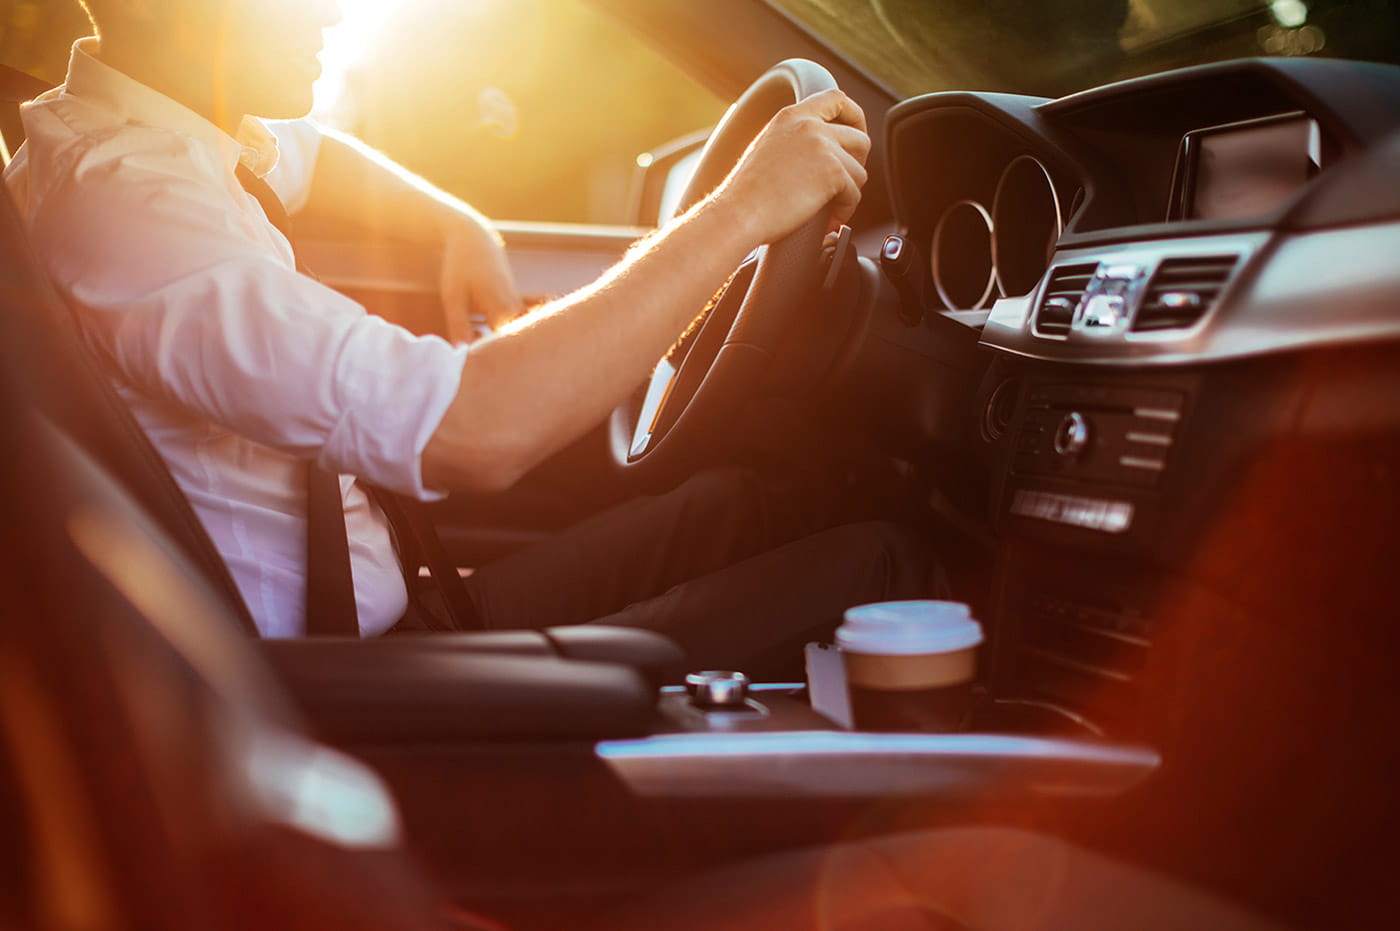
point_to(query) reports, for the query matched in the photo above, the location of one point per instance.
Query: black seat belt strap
(410, 518)
(330, 584)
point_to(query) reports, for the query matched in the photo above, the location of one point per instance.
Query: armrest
(456, 688)
(652, 654)
(655, 656)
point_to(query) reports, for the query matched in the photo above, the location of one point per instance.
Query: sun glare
(349, 43)
(354, 41)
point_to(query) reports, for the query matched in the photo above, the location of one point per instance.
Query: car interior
(1127, 357)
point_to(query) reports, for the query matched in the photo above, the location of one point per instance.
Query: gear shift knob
(717, 689)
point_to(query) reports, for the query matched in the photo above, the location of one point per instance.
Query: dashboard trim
(1000, 222)
(935, 256)
(841, 764)
(1316, 289)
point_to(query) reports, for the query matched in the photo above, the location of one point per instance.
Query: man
(135, 184)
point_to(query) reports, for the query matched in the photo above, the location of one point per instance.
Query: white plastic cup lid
(905, 628)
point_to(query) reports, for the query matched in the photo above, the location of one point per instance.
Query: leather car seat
(154, 775)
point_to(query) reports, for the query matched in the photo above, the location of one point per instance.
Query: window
(528, 109)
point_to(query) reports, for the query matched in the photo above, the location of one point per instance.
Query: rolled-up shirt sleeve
(186, 303)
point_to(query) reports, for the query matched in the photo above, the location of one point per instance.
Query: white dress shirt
(237, 366)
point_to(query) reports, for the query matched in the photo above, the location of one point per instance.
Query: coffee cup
(910, 665)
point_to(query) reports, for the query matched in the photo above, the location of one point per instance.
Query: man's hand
(355, 186)
(475, 279)
(809, 158)
(534, 389)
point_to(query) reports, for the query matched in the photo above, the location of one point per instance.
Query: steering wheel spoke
(663, 379)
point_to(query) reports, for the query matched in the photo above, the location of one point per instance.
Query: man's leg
(756, 615)
(627, 554)
(699, 564)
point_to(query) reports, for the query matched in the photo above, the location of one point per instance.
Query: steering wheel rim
(672, 433)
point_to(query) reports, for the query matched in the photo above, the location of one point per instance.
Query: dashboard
(1145, 201)
(1171, 279)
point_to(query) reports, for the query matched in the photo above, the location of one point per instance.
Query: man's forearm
(355, 185)
(542, 383)
(549, 377)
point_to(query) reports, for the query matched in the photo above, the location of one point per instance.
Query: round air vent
(1000, 411)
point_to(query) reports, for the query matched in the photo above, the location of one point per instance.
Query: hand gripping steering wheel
(687, 407)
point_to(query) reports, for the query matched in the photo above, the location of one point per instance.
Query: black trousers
(737, 574)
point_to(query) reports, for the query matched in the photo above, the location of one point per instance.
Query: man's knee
(728, 496)
(897, 563)
(723, 484)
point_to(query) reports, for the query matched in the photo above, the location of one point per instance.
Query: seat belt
(330, 584)
(409, 514)
(329, 540)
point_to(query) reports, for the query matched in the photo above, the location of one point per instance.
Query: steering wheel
(694, 394)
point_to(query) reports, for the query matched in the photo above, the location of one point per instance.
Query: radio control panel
(1096, 433)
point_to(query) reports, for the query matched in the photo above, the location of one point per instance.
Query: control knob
(1072, 435)
(718, 690)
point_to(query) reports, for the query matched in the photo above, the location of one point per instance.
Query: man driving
(153, 191)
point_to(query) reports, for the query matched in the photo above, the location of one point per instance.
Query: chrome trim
(1114, 635)
(991, 259)
(1137, 462)
(1073, 510)
(835, 764)
(1059, 710)
(1157, 413)
(1149, 439)
(996, 200)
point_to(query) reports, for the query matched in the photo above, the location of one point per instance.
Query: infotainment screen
(1244, 169)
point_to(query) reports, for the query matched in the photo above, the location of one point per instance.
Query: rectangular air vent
(1182, 291)
(1062, 294)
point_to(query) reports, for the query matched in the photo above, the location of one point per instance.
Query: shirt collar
(254, 146)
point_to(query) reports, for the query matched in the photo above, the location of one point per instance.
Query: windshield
(1055, 47)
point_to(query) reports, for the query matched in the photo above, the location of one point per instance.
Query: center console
(502, 746)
